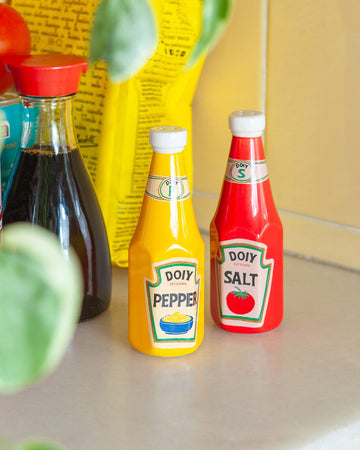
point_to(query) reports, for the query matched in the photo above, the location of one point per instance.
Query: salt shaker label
(243, 278)
(245, 172)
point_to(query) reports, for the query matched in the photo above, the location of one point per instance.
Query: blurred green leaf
(215, 16)
(40, 300)
(124, 35)
(33, 444)
(30, 444)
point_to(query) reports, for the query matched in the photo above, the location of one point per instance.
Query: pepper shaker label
(246, 172)
(167, 188)
(243, 277)
(173, 303)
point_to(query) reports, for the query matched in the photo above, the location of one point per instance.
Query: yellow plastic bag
(160, 94)
(62, 26)
(113, 120)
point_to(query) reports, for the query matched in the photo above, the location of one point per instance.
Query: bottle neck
(48, 124)
(167, 165)
(247, 149)
(246, 164)
(167, 180)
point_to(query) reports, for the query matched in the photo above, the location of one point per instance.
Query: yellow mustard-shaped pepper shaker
(166, 257)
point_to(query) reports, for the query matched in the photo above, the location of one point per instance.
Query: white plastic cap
(247, 123)
(168, 139)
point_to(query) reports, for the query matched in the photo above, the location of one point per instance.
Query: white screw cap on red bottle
(167, 139)
(247, 123)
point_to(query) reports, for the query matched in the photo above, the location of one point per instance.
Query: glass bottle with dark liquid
(49, 185)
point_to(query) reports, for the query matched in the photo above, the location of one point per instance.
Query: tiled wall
(298, 60)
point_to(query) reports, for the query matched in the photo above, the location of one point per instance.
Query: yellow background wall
(297, 60)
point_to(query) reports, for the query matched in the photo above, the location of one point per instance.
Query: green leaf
(40, 300)
(239, 293)
(215, 16)
(33, 444)
(124, 35)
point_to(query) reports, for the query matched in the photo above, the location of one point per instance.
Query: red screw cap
(48, 75)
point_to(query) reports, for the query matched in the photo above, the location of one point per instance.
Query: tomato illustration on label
(240, 302)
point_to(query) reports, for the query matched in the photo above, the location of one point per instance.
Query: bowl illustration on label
(176, 323)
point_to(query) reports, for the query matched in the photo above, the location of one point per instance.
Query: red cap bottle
(48, 75)
(246, 237)
(49, 185)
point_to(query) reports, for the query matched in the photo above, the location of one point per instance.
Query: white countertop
(297, 387)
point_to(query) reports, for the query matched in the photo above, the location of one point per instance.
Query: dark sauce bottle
(49, 185)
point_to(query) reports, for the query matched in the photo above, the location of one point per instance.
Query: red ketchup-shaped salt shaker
(246, 237)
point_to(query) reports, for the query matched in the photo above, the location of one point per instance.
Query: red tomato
(240, 302)
(14, 40)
